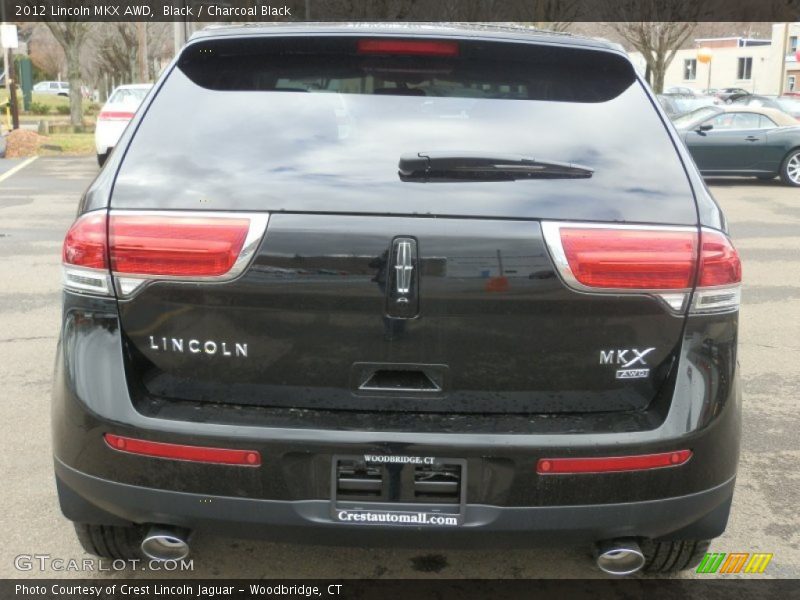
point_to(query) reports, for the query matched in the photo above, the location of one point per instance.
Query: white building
(760, 66)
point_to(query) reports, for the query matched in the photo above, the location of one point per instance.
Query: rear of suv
(462, 285)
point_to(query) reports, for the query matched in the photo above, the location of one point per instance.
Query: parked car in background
(670, 105)
(115, 116)
(743, 141)
(685, 103)
(790, 106)
(676, 89)
(266, 334)
(728, 95)
(57, 88)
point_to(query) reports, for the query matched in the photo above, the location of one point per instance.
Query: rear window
(319, 124)
(128, 96)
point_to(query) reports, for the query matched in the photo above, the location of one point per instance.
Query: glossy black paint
(504, 347)
(95, 392)
(313, 304)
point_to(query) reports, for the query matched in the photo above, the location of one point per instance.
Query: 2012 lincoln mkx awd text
(420, 285)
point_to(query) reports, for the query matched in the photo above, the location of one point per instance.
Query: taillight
(642, 259)
(408, 47)
(115, 115)
(139, 247)
(666, 262)
(175, 246)
(84, 255)
(718, 284)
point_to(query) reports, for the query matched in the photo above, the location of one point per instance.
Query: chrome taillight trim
(708, 300)
(130, 284)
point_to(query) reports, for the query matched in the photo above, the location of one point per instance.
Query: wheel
(670, 557)
(790, 169)
(101, 159)
(111, 541)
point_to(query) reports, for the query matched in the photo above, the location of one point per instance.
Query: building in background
(760, 65)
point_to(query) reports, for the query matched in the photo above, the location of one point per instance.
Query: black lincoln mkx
(461, 284)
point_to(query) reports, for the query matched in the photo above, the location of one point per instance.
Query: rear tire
(674, 556)
(111, 541)
(790, 168)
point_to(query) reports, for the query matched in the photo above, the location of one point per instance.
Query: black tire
(671, 557)
(101, 159)
(792, 161)
(111, 541)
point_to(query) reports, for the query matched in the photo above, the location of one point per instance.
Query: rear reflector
(408, 47)
(610, 464)
(174, 245)
(223, 456)
(639, 259)
(112, 115)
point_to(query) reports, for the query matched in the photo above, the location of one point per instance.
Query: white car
(115, 116)
(60, 88)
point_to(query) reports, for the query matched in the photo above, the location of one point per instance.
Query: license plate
(398, 490)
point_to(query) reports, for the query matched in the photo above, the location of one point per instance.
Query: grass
(50, 100)
(71, 144)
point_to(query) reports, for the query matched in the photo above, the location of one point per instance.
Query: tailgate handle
(400, 380)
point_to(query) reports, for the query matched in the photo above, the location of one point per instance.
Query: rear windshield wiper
(433, 167)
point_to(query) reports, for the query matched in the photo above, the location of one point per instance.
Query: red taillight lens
(115, 115)
(85, 242)
(719, 261)
(224, 456)
(175, 246)
(610, 464)
(630, 258)
(408, 47)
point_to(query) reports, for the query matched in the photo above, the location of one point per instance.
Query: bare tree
(71, 35)
(657, 42)
(673, 22)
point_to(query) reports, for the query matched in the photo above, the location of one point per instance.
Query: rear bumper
(289, 495)
(701, 515)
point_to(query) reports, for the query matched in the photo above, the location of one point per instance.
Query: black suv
(460, 284)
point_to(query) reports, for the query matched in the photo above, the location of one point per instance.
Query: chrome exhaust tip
(619, 557)
(165, 543)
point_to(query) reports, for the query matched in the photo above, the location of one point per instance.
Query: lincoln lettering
(193, 346)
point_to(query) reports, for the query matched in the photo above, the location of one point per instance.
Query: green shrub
(38, 108)
(62, 109)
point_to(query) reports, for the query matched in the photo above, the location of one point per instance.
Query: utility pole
(784, 52)
(141, 34)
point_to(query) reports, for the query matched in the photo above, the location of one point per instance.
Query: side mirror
(704, 128)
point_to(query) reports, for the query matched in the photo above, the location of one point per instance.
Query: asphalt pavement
(37, 205)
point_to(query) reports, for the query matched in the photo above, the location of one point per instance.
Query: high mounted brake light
(137, 247)
(662, 261)
(408, 47)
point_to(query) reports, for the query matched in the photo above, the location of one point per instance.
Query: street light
(704, 55)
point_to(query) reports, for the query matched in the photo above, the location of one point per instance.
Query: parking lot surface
(37, 205)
